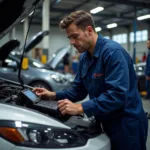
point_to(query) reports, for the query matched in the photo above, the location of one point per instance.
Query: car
(55, 63)
(24, 124)
(35, 75)
(141, 78)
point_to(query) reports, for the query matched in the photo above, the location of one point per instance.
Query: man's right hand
(44, 93)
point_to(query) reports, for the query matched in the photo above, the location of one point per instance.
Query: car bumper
(100, 142)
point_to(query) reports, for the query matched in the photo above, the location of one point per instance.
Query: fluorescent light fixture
(57, 1)
(31, 13)
(97, 29)
(96, 10)
(143, 17)
(22, 20)
(112, 25)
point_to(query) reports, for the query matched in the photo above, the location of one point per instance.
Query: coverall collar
(99, 44)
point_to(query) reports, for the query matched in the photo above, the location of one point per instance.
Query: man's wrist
(52, 95)
(81, 111)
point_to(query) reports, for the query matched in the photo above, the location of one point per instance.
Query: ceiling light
(97, 29)
(143, 17)
(96, 10)
(22, 20)
(112, 25)
(31, 13)
(58, 1)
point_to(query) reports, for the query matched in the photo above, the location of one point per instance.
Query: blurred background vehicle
(140, 72)
(35, 74)
(56, 62)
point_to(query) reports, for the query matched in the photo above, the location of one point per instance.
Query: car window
(32, 62)
(9, 63)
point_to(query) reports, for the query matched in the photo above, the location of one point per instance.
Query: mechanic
(106, 73)
(147, 71)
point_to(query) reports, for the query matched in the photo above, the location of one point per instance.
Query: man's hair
(148, 39)
(80, 18)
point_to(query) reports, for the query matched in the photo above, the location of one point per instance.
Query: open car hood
(57, 57)
(13, 11)
(7, 48)
(35, 40)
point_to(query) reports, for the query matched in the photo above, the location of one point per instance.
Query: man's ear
(89, 29)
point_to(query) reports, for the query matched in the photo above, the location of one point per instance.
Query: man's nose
(72, 42)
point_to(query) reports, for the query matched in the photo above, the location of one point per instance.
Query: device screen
(31, 95)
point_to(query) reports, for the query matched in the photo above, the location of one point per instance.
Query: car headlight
(57, 78)
(70, 77)
(39, 136)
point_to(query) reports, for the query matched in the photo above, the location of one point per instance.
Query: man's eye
(75, 36)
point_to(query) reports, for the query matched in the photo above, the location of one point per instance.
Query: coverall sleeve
(77, 93)
(117, 85)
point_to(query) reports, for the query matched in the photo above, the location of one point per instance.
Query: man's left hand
(67, 107)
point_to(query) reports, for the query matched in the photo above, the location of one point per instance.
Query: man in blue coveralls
(147, 71)
(106, 73)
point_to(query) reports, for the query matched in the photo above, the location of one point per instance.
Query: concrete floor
(146, 105)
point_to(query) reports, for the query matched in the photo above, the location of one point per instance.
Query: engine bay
(10, 93)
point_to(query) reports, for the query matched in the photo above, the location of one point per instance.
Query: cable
(20, 66)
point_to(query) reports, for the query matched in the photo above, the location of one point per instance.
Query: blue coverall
(110, 80)
(147, 72)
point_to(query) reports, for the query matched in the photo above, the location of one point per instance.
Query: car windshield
(33, 62)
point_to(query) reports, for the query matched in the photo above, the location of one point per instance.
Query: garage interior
(127, 22)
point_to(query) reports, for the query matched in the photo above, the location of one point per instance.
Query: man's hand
(44, 93)
(147, 78)
(67, 107)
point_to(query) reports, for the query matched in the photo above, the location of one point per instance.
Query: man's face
(148, 44)
(80, 39)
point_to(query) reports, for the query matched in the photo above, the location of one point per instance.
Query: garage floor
(146, 105)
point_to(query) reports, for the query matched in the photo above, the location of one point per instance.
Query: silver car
(25, 128)
(22, 127)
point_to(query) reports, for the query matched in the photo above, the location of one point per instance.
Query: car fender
(43, 81)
